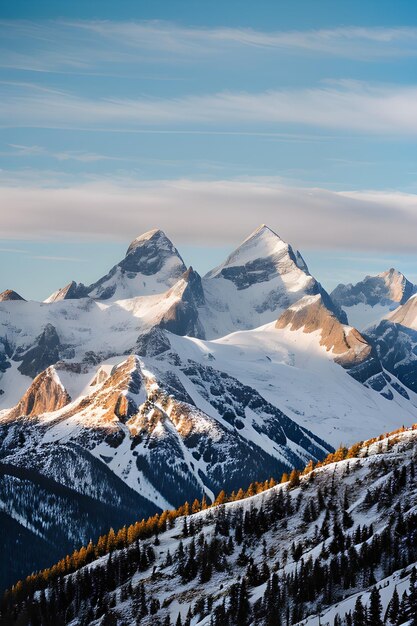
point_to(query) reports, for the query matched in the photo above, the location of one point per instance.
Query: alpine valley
(155, 386)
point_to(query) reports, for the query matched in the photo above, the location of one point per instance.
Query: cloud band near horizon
(212, 213)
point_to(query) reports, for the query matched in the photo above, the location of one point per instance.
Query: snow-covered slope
(374, 297)
(293, 371)
(301, 552)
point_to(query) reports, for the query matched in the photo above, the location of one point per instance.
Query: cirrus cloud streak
(343, 105)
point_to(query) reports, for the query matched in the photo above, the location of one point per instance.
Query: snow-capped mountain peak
(372, 298)
(263, 243)
(257, 282)
(152, 264)
(9, 295)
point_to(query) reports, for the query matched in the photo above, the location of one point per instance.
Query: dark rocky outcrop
(44, 352)
(182, 317)
(72, 291)
(152, 343)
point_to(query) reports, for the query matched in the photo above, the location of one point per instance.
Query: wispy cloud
(84, 46)
(344, 105)
(216, 213)
(13, 250)
(58, 258)
(83, 157)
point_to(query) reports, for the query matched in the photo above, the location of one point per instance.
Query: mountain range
(155, 385)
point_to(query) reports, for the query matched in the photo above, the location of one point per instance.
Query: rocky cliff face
(182, 318)
(45, 351)
(45, 394)
(311, 314)
(351, 350)
(71, 291)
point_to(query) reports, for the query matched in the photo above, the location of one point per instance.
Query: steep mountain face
(46, 394)
(258, 281)
(321, 548)
(373, 297)
(310, 314)
(155, 431)
(9, 294)
(182, 318)
(395, 339)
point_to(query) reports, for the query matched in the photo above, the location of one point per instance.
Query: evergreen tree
(394, 607)
(375, 609)
(358, 616)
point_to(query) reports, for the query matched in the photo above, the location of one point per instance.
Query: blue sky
(206, 120)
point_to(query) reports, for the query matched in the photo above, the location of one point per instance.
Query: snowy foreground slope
(325, 548)
(153, 386)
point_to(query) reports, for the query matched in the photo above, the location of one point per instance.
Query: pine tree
(359, 614)
(394, 607)
(375, 609)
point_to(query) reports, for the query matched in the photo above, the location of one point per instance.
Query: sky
(205, 120)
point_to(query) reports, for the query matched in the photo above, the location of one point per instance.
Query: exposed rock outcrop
(45, 394)
(311, 314)
(182, 317)
(117, 396)
(72, 291)
(44, 352)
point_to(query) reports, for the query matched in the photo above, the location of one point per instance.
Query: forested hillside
(334, 544)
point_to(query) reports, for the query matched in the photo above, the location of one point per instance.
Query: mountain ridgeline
(154, 386)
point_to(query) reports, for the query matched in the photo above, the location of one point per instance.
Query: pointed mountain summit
(152, 265)
(10, 295)
(257, 281)
(259, 257)
(373, 297)
(45, 394)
